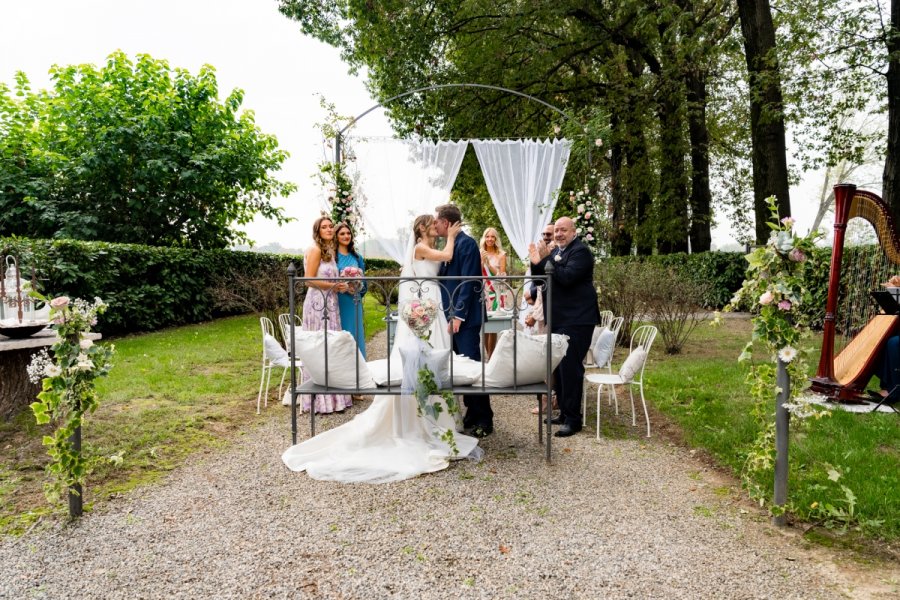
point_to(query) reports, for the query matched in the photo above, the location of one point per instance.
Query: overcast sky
(252, 46)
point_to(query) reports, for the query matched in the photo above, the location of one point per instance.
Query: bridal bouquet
(349, 272)
(419, 315)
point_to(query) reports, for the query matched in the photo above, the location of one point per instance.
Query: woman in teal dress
(351, 312)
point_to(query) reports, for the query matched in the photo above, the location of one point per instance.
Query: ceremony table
(16, 391)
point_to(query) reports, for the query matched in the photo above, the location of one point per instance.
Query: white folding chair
(284, 322)
(606, 316)
(631, 373)
(615, 327)
(273, 355)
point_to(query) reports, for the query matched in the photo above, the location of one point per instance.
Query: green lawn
(170, 393)
(703, 391)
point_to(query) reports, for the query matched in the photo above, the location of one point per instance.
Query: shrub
(620, 288)
(674, 303)
(146, 287)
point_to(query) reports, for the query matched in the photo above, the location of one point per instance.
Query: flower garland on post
(589, 205)
(419, 315)
(775, 286)
(67, 383)
(333, 175)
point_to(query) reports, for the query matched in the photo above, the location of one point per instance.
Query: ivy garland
(67, 387)
(775, 285)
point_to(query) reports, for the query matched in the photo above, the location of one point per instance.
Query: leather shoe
(566, 431)
(557, 420)
(481, 431)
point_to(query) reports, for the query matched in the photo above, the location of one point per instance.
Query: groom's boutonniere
(557, 258)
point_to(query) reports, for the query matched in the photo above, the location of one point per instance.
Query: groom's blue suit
(465, 297)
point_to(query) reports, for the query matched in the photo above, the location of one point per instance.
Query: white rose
(85, 344)
(52, 370)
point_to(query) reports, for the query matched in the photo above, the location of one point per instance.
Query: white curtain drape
(523, 178)
(398, 180)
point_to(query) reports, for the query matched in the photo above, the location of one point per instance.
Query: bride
(390, 441)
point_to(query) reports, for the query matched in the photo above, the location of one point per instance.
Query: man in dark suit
(464, 315)
(574, 312)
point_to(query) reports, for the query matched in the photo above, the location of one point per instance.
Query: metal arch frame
(337, 140)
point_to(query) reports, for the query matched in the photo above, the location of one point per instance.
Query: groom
(465, 318)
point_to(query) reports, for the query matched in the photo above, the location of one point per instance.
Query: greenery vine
(775, 287)
(67, 387)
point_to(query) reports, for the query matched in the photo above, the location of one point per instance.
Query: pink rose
(419, 311)
(797, 255)
(587, 215)
(785, 304)
(60, 302)
(788, 221)
(766, 298)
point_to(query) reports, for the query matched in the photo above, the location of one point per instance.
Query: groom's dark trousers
(467, 305)
(478, 406)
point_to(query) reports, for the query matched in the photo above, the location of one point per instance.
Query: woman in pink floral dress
(321, 298)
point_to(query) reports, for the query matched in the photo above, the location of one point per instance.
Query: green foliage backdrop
(146, 287)
(134, 152)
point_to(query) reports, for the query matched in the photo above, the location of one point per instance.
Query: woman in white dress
(390, 441)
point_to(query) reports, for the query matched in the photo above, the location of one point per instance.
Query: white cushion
(465, 371)
(632, 364)
(603, 347)
(589, 357)
(274, 352)
(437, 359)
(531, 362)
(342, 356)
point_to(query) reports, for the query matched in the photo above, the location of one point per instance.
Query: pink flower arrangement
(419, 315)
(349, 272)
(797, 255)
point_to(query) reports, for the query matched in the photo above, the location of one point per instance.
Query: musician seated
(887, 367)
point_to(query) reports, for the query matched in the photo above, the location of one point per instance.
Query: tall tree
(134, 152)
(770, 173)
(891, 178)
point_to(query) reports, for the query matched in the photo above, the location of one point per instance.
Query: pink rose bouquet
(419, 315)
(350, 272)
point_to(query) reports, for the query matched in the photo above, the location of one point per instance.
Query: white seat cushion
(632, 364)
(274, 352)
(603, 347)
(589, 357)
(343, 353)
(531, 362)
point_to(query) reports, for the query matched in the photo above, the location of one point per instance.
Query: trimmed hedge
(146, 287)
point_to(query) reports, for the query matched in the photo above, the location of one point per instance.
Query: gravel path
(619, 518)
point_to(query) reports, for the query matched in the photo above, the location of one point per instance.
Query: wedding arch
(397, 179)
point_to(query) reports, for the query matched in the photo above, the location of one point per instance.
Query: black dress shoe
(480, 431)
(566, 431)
(557, 420)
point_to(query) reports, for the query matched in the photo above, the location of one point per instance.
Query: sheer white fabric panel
(523, 178)
(398, 180)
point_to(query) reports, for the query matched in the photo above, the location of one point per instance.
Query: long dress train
(389, 441)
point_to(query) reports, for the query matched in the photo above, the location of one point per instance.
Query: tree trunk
(16, 391)
(770, 175)
(619, 235)
(701, 195)
(672, 202)
(890, 184)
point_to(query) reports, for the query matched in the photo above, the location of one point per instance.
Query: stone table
(16, 391)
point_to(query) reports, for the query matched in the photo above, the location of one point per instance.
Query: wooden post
(782, 422)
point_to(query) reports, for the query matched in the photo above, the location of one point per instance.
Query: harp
(853, 331)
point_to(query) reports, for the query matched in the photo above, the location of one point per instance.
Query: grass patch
(703, 391)
(170, 394)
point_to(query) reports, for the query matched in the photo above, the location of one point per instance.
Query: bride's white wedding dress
(389, 441)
